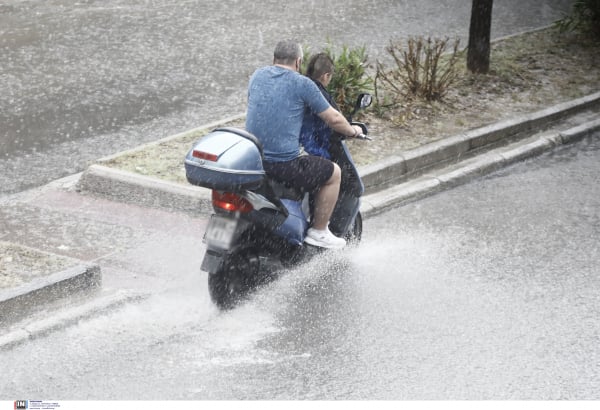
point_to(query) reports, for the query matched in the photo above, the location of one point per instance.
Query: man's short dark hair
(287, 52)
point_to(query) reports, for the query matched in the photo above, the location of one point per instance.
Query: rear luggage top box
(226, 159)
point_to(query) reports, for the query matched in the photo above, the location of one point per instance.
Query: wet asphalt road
(81, 80)
(487, 291)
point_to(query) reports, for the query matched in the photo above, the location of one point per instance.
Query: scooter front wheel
(354, 234)
(237, 275)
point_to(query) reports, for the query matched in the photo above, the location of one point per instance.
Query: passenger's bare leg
(326, 198)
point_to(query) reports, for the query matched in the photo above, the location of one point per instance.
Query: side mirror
(363, 101)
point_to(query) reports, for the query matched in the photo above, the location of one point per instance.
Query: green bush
(350, 77)
(584, 17)
(423, 69)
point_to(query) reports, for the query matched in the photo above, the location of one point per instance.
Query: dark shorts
(307, 172)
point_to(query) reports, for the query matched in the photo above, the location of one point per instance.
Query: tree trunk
(478, 54)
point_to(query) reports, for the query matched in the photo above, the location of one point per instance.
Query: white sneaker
(324, 239)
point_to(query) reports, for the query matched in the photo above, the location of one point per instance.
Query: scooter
(257, 222)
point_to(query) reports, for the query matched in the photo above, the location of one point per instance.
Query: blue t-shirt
(277, 98)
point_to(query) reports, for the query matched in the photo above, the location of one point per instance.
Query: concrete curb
(126, 186)
(577, 133)
(40, 328)
(411, 163)
(464, 171)
(17, 302)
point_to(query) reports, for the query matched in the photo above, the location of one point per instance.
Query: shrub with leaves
(350, 77)
(422, 69)
(584, 17)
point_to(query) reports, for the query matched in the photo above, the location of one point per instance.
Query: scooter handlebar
(362, 136)
(365, 131)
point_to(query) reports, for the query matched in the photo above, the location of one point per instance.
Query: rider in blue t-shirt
(277, 98)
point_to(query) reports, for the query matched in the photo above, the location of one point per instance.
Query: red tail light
(204, 155)
(231, 202)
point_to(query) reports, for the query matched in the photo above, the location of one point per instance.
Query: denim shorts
(307, 172)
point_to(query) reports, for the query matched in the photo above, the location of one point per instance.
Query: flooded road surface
(488, 291)
(82, 80)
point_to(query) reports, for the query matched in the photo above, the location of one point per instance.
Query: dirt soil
(20, 265)
(528, 72)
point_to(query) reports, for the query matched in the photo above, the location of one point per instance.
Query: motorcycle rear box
(226, 159)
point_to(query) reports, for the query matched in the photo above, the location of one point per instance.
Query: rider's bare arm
(336, 120)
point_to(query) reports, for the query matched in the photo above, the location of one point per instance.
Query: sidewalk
(118, 236)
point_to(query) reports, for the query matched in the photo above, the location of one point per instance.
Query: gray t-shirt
(277, 98)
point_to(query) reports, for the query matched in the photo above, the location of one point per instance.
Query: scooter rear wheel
(237, 275)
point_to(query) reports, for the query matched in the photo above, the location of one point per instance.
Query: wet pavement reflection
(487, 291)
